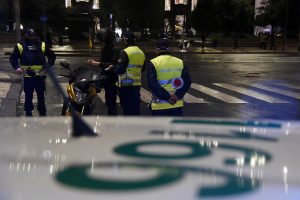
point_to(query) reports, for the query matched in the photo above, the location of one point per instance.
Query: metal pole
(18, 20)
(299, 39)
(285, 24)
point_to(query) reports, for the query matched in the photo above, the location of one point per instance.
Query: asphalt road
(248, 86)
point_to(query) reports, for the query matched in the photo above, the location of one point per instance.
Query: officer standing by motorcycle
(169, 80)
(109, 56)
(129, 68)
(32, 54)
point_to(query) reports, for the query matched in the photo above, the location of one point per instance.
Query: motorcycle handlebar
(90, 81)
(67, 76)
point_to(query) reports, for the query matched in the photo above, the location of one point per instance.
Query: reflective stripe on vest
(167, 68)
(36, 68)
(132, 76)
(20, 47)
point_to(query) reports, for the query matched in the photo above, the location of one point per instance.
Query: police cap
(30, 32)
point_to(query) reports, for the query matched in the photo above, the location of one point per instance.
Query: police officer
(31, 52)
(129, 68)
(169, 80)
(109, 56)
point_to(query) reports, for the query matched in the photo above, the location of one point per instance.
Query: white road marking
(251, 93)
(216, 94)
(4, 88)
(188, 98)
(289, 85)
(279, 91)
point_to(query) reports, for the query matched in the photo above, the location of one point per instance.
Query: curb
(97, 52)
(74, 54)
(10, 103)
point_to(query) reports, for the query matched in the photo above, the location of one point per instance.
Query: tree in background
(223, 16)
(234, 16)
(271, 12)
(32, 10)
(203, 18)
(7, 14)
(280, 13)
(136, 15)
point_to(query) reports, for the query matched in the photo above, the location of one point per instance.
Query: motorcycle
(84, 84)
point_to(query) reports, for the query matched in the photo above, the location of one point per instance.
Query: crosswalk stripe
(188, 98)
(102, 96)
(4, 88)
(250, 93)
(22, 98)
(216, 94)
(289, 85)
(279, 91)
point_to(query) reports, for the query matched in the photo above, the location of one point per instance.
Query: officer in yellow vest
(169, 80)
(31, 52)
(129, 68)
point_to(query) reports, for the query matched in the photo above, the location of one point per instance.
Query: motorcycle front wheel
(65, 109)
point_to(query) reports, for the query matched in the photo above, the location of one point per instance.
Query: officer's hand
(173, 99)
(110, 67)
(89, 61)
(93, 62)
(19, 70)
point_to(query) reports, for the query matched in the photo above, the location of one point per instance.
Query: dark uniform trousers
(111, 98)
(36, 83)
(130, 100)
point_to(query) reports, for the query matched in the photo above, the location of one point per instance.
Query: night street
(248, 86)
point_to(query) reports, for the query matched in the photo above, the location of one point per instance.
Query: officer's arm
(105, 64)
(144, 67)
(187, 83)
(50, 55)
(14, 58)
(122, 63)
(153, 84)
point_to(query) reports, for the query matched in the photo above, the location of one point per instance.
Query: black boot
(42, 114)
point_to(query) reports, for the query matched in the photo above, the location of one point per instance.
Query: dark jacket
(159, 91)
(32, 55)
(109, 56)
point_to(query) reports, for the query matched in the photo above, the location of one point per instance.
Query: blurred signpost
(18, 20)
(44, 20)
(285, 24)
(299, 39)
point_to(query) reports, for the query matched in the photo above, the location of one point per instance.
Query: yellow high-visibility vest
(167, 69)
(132, 76)
(35, 68)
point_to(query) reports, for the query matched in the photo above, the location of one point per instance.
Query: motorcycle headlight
(79, 95)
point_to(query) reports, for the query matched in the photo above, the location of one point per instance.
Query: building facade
(82, 18)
